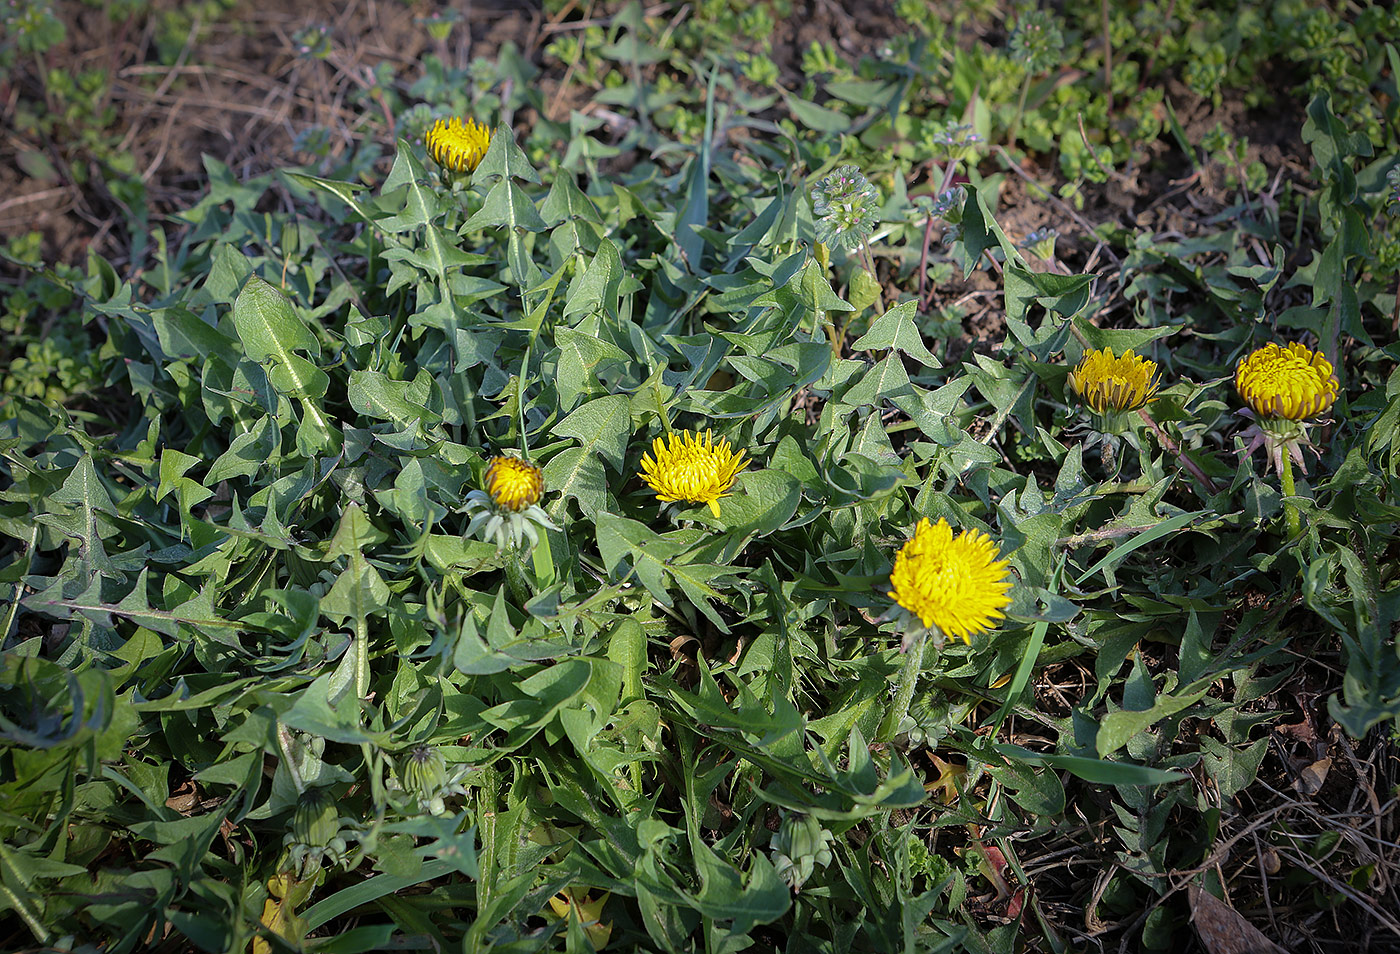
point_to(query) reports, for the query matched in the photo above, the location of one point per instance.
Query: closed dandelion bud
(316, 820)
(801, 846)
(424, 772)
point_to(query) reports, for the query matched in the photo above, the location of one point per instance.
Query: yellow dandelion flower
(514, 484)
(1106, 383)
(457, 146)
(691, 468)
(957, 584)
(1289, 382)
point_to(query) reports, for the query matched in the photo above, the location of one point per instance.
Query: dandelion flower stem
(1290, 512)
(904, 687)
(544, 561)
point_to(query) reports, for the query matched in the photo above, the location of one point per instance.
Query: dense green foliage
(256, 680)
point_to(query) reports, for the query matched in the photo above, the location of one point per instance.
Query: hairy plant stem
(1175, 449)
(13, 613)
(1290, 512)
(516, 580)
(867, 259)
(925, 301)
(1020, 108)
(904, 687)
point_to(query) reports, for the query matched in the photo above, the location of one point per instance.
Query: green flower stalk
(1286, 388)
(946, 585)
(507, 512)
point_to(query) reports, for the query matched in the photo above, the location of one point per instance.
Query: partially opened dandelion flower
(514, 484)
(1286, 387)
(1106, 383)
(458, 146)
(686, 466)
(1289, 382)
(508, 510)
(956, 584)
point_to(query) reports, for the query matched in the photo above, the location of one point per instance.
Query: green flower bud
(316, 820)
(801, 846)
(424, 772)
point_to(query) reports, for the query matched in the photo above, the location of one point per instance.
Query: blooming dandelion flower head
(846, 207)
(457, 146)
(955, 583)
(686, 466)
(1106, 383)
(508, 509)
(1289, 382)
(514, 484)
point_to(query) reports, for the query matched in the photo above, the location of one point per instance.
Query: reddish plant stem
(1175, 449)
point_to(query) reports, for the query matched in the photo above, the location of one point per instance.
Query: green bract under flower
(507, 511)
(514, 484)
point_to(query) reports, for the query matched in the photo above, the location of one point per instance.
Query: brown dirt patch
(241, 89)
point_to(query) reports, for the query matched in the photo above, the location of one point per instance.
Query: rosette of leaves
(1037, 43)
(845, 206)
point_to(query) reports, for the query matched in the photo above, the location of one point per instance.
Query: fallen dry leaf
(1311, 777)
(1222, 929)
(1298, 732)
